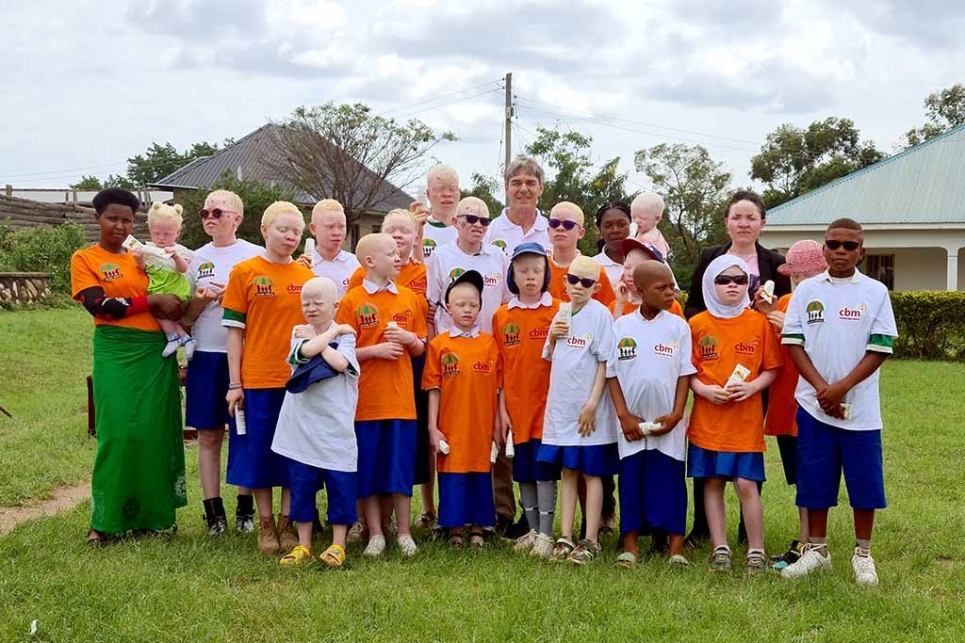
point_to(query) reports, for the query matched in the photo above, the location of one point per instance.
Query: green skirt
(138, 479)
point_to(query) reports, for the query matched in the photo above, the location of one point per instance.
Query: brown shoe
(267, 536)
(286, 538)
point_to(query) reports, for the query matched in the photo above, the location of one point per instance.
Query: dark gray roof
(246, 153)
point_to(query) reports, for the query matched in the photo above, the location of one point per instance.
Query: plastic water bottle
(443, 447)
(310, 251)
(510, 449)
(240, 425)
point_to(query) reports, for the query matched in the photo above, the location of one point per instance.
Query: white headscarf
(714, 305)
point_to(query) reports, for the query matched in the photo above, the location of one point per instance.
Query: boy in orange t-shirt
(566, 229)
(736, 356)
(463, 376)
(521, 328)
(391, 328)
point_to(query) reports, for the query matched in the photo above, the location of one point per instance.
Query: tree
(161, 160)
(485, 187)
(254, 194)
(944, 109)
(87, 183)
(346, 153)
(575, 178)
(694, 188)
(794, 161)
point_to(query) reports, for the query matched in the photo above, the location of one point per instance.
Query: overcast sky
(88, 83)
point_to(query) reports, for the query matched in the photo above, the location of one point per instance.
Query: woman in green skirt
(138, 479)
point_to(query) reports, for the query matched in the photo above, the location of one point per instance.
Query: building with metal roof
(911, 205)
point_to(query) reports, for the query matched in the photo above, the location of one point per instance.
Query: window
(882, 268)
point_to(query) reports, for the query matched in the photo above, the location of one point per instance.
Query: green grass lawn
(195, 589)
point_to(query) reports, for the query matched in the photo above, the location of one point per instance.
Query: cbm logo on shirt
(746, 349)
(402, 318)
(665, 350)
(264, 286)
(450, 364)
(539, 334)
(110, 271)
(815, 312)
(579, 342)
(206, 270)
(627, 347)
(511, 334)
(491, 281)
(295, 289)
(367, 315)
(853, 314)
(483, 367)
(428, 245)
(707, 347)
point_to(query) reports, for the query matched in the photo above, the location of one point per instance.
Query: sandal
(586, 551)
(298, 556)
(679, 561)
(96, 538)
(476, 539)
(563, 549)
(626, 560)
(455, 539)
(334, 556)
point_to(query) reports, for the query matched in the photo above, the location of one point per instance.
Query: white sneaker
(542, 546)
(864, 569)
(356, 533)
(375, 547)
(407, 546)
(525, 542)
(190, 343)
(811, 560)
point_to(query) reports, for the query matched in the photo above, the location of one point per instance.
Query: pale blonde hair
(277, 209)
(648, 202)
(320, 286)
(163, 212)
(233, 200)
(328, 205)
(367, 245)
(572, 207)
(399, 212)
(440, 171)
(472, 202)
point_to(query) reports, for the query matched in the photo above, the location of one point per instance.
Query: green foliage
(254, 194)
(88, 183)
(161, 160)
(931, 324)
(485, 187)
(575, 178)
(794, 161)
(43, 249)
(944, 109)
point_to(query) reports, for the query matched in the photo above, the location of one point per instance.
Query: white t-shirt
(448, 261)
(213, 264)
(317, 426)
(505, 234)
(338, 270)
(575, 359)
(435, 234)
(647, 358)
(614, 270)
(838, 321)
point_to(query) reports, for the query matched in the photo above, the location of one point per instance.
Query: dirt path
(64, 498)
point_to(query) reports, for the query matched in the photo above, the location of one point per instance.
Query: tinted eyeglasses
(567, 225)
(834, 244)
(473, 219)
(585, 281)
(723, 280)
(215, 213)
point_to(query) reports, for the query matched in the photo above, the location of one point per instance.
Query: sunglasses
(585, 281)
(723, 280)
(216, 213)
(834, 244)
(567, 225)
(472, 219)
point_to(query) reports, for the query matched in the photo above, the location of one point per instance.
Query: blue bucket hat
(314, 370)
(528, 248)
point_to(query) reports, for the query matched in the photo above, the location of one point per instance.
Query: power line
(451, 102)
(437, 98)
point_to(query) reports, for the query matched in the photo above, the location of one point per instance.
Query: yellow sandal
(298, 556)
(334, 556)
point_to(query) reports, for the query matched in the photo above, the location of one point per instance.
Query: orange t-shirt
(520, 335)
(781, 405)
(557, 289)
(266, 298)
(412, 276)
(468, 373)
(718, 346)
(675, 308)
(385, 386)
(118, 275)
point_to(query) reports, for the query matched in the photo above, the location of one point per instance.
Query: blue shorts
(307, 481)
(653, 492)
(526, 464)
(823, 451)
(596, 460)
(466, 499)
(251, 462)
(386, 457)
(787, 445)
(205, 388)
(704, 463)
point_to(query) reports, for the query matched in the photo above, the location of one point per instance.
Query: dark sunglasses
(573, 279)
(834, 244)
(473, 219)
(216, 213)
(723, 280)
(567, 225)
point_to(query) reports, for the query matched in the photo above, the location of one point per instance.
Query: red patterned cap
(804, 257)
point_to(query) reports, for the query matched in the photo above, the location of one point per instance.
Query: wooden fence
(22, 214)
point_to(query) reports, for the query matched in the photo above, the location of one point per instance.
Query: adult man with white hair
(521, 220)
(442, 193)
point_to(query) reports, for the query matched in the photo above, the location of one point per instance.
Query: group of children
(334, 357)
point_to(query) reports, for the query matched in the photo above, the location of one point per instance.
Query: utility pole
(508, 136)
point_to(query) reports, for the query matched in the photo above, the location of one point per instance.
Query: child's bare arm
(179, 263)
(833, 394)
(629, 423)
(588, 412)
(319, 345)
(802, 361)
(236, 342)
(748, 388)
(668, 422)
(433, 420)
(507, 423)
(711, 392)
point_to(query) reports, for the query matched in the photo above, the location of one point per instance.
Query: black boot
(245, 515)
(215, 517)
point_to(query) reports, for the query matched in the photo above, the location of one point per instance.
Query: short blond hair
(367, 245)
(648, 202)
(327, 205)
(161, 211)
(570, 206)
(472, 202)
(440, 171)
(279, 208)
(399, 212)
(233, 200)
(320, 286)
